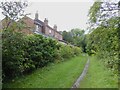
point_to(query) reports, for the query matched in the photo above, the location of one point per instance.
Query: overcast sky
(66, 15)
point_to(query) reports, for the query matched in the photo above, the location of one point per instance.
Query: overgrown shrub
(65, 51)
(40, 49)
(68, 51)
(22, 54)
(12, 53)
(77, 50)
(104, 42)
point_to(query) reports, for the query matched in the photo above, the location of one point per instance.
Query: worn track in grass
(77, 83)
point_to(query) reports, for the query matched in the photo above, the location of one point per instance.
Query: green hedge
(104, 42)
(68, 51)
(22, 54)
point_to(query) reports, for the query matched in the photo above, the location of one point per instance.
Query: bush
(68, 51)
(41, 50)
(12, 53)
(22, 54)
(65, 51)
(104, 42)
(77, 51)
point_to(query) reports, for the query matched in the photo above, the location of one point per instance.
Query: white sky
(65, 14)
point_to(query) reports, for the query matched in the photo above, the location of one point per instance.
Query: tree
(13, 10)
(76, 37)
(67, 36)
(12, 42)
(103, 40)
(100, 12)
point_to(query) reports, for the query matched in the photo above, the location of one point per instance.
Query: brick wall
(58, 35)
(30, 28)
(5, 22)
(29, 25)
(51, 32)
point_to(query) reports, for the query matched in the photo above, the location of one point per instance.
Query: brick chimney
(36, 15)
(46, 21)
(55, 27)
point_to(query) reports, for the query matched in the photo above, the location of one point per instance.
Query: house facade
(44, 29)
(37, 26)
(29, 26)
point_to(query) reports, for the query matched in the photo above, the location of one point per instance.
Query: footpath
(77, 83)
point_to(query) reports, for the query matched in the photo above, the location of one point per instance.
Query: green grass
(99, 76)
(61, 75)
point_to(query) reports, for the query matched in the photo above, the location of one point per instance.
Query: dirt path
(77, 83)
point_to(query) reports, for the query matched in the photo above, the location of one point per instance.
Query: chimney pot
(46, 21)
(55, 27)
(36, 15)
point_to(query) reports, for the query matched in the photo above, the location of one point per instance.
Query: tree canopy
(75, 36)
(100, 12)
(13, 10)
(103, 40)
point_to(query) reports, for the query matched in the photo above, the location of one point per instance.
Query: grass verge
(98, 76)
(61, 75)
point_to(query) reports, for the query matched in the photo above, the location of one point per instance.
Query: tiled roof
(41, 23)
(38, 22)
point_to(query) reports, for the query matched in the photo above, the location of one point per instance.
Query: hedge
(22, 54)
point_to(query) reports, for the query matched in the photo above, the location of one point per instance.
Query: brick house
(4, 23)
(27, 24)
(45, 29)
(39, 27)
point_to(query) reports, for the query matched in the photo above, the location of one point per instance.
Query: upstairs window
(50, 31)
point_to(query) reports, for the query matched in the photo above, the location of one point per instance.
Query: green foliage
(101, 12)
(77, 51)
(13, 9)
(103, 42)
(94, 11)
(98, 76)
(75, 37)
(12, 52)
(22, 54)
(41, 50)
(67, 51)
(67, 36)
(60, 75)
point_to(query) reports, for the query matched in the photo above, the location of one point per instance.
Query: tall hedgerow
(22, 54)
